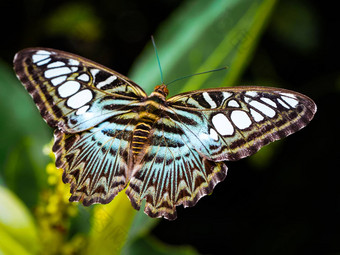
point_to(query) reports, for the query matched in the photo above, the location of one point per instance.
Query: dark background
(289, 205)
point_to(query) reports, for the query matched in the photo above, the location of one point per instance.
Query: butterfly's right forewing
(233, 123)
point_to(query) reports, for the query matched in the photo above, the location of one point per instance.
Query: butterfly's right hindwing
(74, 93)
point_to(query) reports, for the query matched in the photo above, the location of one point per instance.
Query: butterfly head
(162, 89)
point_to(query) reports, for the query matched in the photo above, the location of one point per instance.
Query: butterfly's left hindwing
(71, 92)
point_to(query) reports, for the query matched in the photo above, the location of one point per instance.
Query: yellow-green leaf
(16, 224)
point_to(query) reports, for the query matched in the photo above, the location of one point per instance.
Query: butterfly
(109, 135)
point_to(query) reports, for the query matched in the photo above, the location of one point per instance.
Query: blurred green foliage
(74, 20)
(301, 30)
(35, 215)
(203, 36)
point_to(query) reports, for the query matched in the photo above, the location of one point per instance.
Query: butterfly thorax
(148, 115)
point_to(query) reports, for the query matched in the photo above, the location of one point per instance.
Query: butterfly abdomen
(140, 137)
(142, 132)
(148, 115)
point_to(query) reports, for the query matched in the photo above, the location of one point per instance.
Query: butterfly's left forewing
(233, 123)
(71, 92)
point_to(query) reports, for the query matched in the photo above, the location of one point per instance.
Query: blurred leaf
(204, 35)
(110, 226)
(75, 20)
(22, 173)
(263, 157)
(16, 225)
(141, 224)
(295, 24)
(23, 135)
(150, 246)
(9, 246)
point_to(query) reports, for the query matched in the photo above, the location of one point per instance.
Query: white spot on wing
(247, 100)
(106, 82)
(263, 108)
(74, 68)
(291, 101)
(213, 134)
(73, 62)
(240, 119)
(40, 55)
(68, 88)
(251, 93)
(57, 72)
(209, 100)
(226, 95)
(80, 99)
(257, 117)
(94, 72)
(37, 58)
(40, 63)
(222, 124)
(269, 101)
(233, 103)
(43, 52)
(58, 80)
(84, 77)
(283, 103)
(288, 95)
(82, 109)
(56, 64)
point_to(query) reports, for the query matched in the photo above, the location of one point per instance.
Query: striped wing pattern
(95, 161)
(71, 92)
(172, 173)
(239, 121)
(110, 135)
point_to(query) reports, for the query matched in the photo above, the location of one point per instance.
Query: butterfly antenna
(159, 62)
(188, 76)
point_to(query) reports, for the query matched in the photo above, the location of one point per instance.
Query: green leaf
(16, 226)
(110, 226)
(9, 246)
(263, 158)
(141, 224)
(22, 173)
(24, 135)
(76, 20)
(204, 35)
(296, 24)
